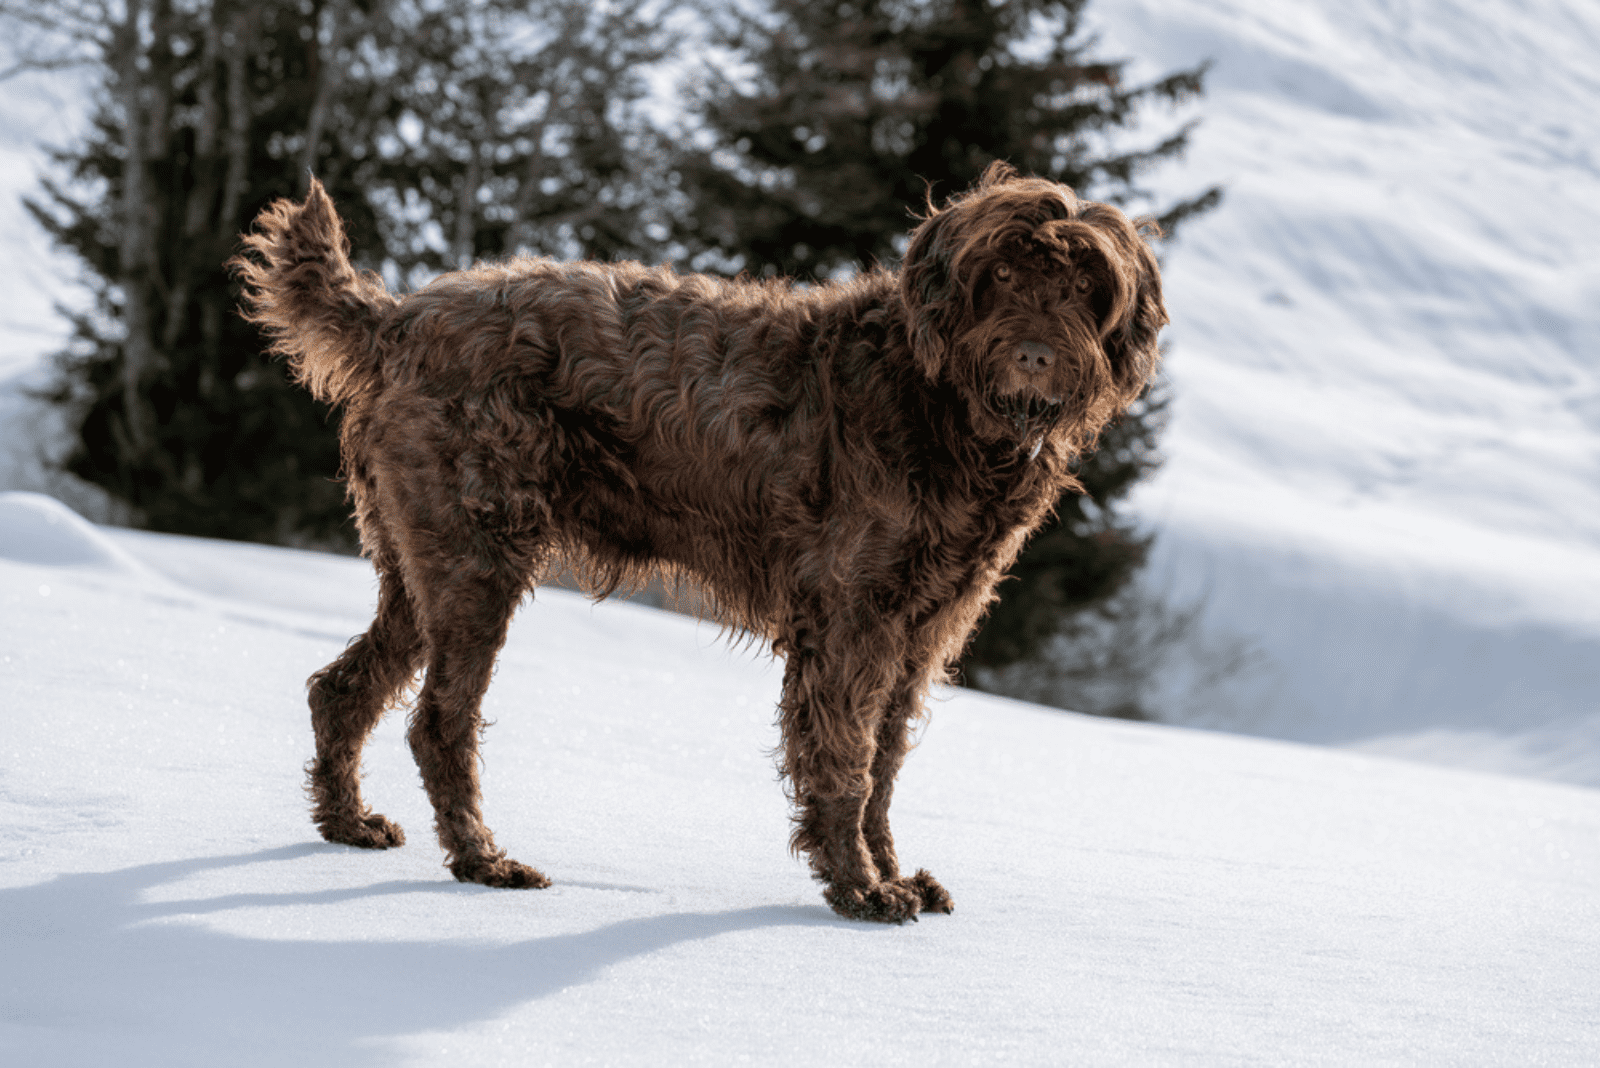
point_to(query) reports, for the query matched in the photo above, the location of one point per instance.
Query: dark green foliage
(522, 134)
(856, 110)
(214, 440)
(239, 452)
(439, 131)
(853, 111)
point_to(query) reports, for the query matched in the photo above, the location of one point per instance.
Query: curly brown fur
(848, 469)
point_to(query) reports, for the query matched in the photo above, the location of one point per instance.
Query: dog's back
(636, 418)
(628, 416)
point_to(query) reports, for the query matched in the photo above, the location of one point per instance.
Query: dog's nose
(1035, 356)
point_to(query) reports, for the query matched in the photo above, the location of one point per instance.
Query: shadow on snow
(80, 950)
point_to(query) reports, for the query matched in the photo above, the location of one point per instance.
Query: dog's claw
(891, 901)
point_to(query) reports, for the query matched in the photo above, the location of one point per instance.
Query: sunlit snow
(1125, 893)
(1384, 463)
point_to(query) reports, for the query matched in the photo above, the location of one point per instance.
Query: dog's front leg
(902, 709)
(834, 695)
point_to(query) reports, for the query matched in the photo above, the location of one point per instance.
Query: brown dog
(848, 469)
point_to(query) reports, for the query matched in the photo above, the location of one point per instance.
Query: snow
(1383, 483)
(1126, 894)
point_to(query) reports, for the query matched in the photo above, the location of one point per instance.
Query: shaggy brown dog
(848, 469)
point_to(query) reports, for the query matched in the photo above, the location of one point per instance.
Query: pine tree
(520, 131)
(202, 119)
(407, 110)
(857, 111)
(851, 114)
(178, 413)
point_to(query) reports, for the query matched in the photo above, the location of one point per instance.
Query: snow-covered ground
(1126, 894)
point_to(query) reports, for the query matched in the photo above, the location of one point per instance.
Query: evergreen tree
(849, 112)
(520, 131)
(200, 122)
(857, 110)
(409, 111)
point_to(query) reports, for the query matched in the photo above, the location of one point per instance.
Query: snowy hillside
(1125, 894)
(1385, 460)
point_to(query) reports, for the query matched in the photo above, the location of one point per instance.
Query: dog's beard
(1032, 418)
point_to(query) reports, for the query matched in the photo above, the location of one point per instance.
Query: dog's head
(1042, 308)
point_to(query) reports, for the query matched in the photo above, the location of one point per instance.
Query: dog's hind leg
(894, 728)
(466, 613)
(347, 699)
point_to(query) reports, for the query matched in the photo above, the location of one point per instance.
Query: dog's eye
(1002, 272)
(1082, 284)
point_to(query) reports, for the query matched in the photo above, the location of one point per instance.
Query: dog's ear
(930, 293)
(1131, 345)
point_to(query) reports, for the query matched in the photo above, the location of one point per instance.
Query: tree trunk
(198, 222)
(239, 116)
(467, 209)
(327, 74)
(137, 246)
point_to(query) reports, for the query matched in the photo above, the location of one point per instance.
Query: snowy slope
(1385, 461)
(1126, 894)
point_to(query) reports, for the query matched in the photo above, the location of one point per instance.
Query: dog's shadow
(89, 961)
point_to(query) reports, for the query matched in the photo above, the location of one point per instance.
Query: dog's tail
(300, 288)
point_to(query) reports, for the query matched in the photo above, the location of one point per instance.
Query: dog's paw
(934, 897)
(370, 831)
(891, 902)
(498, 871)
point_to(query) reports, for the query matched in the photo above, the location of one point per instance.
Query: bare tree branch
(30, 66)
(328, 74)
